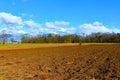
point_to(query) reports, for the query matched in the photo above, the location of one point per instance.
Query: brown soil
(88, 62)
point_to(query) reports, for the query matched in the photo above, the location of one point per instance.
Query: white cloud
(11, 24)
(21, 32)
(50, 25)
(19, 27)
(96, 27)
(62, 30)
(8, 18)
(47, 31)
(115, 30)
(31, 23)
(97, 23)
(61, 23)
(58, 27)
(13, 31)
(71, 30)
(56, 24)
(15, 25)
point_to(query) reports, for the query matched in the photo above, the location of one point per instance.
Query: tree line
(69, 38)
(51, 38)
(73, 38)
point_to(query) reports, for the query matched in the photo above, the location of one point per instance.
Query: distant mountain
(17, 37)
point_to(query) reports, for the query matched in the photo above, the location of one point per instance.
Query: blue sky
(59, 16)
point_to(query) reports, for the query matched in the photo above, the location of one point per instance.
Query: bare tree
(12, 40)
(3, 37)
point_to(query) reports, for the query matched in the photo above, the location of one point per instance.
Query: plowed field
(86, 62)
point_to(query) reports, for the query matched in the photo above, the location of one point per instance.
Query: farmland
(60, 62)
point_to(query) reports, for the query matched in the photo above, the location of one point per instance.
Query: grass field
(33, 45)
(28, 46)
(60, 62)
